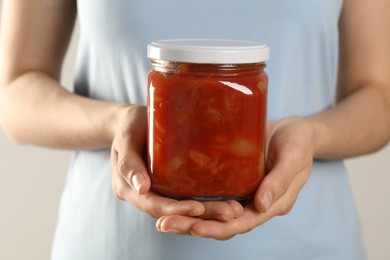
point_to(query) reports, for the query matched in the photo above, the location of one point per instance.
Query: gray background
(31, 181)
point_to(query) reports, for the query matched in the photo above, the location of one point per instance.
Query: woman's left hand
(289, 162)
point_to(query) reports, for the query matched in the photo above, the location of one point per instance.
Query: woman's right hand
(131, 182)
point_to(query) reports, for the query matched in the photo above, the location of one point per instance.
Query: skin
(35, 36)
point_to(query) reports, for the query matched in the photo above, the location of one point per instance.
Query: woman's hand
(289, 162)
(131, 182)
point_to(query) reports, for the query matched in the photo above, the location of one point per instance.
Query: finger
(284, 205)
(222, 210)
(150, 203)
(285, 167)
(157, 206)
(180, 225)
(218, 210)
(218, 230)
(160, 206)
(132, 167)
(119, 185)
(273, 186)
(238, 209)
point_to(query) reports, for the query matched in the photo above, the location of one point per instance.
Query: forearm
(357, 125)
(36, 110)
(360, 122)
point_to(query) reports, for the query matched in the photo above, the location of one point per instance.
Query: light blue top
(112, 65)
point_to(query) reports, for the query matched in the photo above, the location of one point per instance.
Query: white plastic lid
(211, 51)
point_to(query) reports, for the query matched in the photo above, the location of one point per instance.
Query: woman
(320, 50)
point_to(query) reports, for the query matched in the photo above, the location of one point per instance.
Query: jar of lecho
(207, 103)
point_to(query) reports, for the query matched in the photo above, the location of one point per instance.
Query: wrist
(320, 137)
(116, 117)
(126, 119)
(303, 130)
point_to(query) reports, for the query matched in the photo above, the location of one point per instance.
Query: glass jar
(207, 102)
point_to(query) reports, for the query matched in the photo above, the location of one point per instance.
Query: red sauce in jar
(206, 126)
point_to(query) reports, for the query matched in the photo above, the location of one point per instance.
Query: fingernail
(266, 200)
(171, 230)
(159, 221)
(137, 180)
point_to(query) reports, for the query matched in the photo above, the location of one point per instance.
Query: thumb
(132, 168)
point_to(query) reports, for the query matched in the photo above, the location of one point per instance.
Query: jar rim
(211, 51)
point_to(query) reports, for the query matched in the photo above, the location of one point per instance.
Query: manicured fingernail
(137, 180)
(266, 200)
